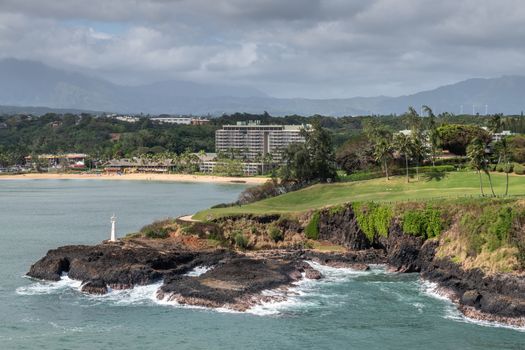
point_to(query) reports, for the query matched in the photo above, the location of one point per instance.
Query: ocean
(345, 310)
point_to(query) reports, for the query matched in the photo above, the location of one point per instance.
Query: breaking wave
(451, 312)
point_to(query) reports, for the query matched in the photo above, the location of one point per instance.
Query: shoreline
(141, 177)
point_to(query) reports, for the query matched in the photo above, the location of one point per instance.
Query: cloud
(309, 48)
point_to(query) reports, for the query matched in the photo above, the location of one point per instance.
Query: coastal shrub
(275, 233)
(423, 223)
(223, 205)
(373, 219)
(157, 229)
(336, 209)
(490, 229)
(203, 230)
(240, 240)
(312, 229)
(519, 169)
(499, 230)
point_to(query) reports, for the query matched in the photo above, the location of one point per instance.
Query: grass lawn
(446, 185)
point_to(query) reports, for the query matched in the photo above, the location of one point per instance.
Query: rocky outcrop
(341, 228)
(236, 280)
(357, 260)
(119, 265)
(497, 297)
(402, 250)
(235, 284)
(97, 286)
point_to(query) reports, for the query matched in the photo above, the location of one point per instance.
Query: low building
(60, 161)
(138, 165)
(209, 161)
(180, 120)
(498, 136)
(127, 118)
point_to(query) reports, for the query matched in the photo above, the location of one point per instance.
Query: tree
(433, 135)
(517, 148)
(297, 164)
(383, 153)
(229, 167)
(504, 152)
(318, 143)
(312, 160)
(381, 139)
(456, 137)
(419, 150)
(356, 154)
(417, 137)
(495, 123)
(476, 153)
(403, 145)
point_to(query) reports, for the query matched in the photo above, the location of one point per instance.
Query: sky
(286, 48)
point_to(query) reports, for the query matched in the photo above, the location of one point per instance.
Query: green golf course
(430, 186)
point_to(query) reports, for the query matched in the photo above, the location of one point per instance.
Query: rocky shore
(237, 279)
(233, 280)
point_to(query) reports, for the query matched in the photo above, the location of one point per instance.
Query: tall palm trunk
(490, 182)
(406, 165)
(507, 180)
(386, 169)
(417, 169)
(481, 184)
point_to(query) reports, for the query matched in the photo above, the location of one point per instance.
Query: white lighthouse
(113, 222)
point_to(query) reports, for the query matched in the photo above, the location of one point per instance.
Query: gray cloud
(308, 48)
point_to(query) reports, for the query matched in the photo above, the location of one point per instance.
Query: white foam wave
(45, 287)
(137, 295)
(434, 290)
(199, 270)
(308, 293)
(452, 312)
(304, 294)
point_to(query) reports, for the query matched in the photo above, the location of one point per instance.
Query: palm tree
(433, 134)
(383, 153)
(403, 145)
(495, 123)
(478, 160)
(476, 154)
(503, 150)
(419, 150)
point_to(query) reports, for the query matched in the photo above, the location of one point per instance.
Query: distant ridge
(42, 110)
(28, 83)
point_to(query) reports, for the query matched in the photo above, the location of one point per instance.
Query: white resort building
(260, 147)
(252, 140)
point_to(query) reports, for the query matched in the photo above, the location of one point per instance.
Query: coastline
(140, 177)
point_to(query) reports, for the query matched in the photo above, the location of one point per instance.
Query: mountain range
(34, 84)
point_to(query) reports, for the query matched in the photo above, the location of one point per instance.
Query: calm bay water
(346, 310)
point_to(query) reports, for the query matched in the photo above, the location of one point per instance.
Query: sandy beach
(139, 177)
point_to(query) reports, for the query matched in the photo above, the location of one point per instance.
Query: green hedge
(519, 169)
